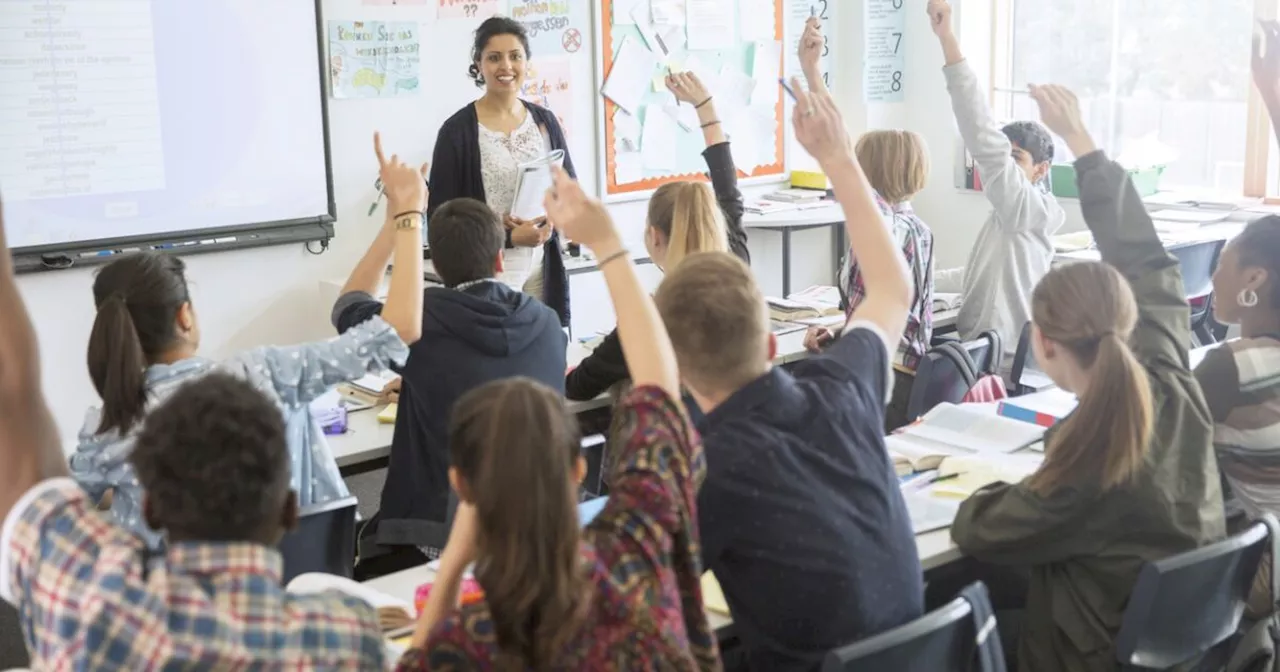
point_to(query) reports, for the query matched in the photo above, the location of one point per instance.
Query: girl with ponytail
(144, 346)
(1130, 476)
(683, 218)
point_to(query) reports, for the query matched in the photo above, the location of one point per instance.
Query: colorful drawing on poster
(468, 9)
(547, 83)
(374, 59)
(554, 26)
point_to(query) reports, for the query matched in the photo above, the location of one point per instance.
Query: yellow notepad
(712, 596)
(387, 416)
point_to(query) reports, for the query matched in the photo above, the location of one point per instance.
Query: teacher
(479, 149)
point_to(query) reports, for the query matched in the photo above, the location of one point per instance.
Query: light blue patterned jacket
(292, 376)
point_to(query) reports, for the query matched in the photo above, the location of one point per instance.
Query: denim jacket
(292, 376)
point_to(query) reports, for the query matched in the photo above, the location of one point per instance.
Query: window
(1157, 79)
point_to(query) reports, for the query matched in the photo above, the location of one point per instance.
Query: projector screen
(145, 119)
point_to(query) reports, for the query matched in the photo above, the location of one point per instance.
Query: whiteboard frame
(602, 107)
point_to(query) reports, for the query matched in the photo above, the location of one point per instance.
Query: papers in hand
(533, 179)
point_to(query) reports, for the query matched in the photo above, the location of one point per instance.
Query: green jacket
(1085, 547)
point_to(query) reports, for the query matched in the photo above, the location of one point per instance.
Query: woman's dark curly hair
(491, 28)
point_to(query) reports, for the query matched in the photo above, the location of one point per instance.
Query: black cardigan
(455, 173)
(606, 365)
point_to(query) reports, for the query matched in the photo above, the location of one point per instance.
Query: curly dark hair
(491, 28)
(1033, 138)
(214, 462)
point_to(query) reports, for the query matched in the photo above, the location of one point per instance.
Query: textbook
(951, 430)
(794, 195)
(947, 300)
(1046, 408)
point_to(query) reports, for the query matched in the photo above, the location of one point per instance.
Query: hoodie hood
(489, 317)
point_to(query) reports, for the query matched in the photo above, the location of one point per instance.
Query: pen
(813, 11)
(787, 88)
(376, 199)
(948, 477)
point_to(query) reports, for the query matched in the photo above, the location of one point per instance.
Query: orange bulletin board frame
(613, 191)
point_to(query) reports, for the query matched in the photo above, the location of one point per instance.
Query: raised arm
(645, 343)
(29, 447)
(820, 130)
(687, 88)
(1125, 235)
(812, 42)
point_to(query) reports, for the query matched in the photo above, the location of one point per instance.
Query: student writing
(801, 515)
(1014, 249)
(1102, 503)
(144, 345)
(623, 593)
(214, 463)
(682, 219)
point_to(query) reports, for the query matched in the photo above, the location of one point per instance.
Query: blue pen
(787, 88)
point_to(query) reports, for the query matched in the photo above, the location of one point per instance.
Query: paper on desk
(629, 79)
(755, 20)
(978, 471)
(314, 583)
(626, 130)
(766, 63)
(710, 24)
(628, 167)
(658, 140)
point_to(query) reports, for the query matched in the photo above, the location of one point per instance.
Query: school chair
(1024, 375)
(593, 451)
(951, 638)
(324, 541)
(1198, 261)
(1185, 605)
(949, 370)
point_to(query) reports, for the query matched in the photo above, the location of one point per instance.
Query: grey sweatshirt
(1014, 248)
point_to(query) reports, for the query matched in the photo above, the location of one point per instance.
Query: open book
(947, 300)
(814, 302)
(950, 430)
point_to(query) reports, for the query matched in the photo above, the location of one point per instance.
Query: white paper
(623, 11)
(685, 115)
(884, 58)
(673, 38)
(710, 24)
(667, 12)
(644, 24)
(631, 76)
(797, 13)
(735, 89)
(755, 20)
(628, 167)
(766, 63)
(744, 144)
(709, 74)
(973, 430)
(626, 130)
(533, 179)
(658, 140)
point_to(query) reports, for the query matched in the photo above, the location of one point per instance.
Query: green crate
(1146, 180)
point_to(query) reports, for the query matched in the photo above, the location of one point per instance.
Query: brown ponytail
(1088, 309)
(516, 448)
(689, 217)
(138, 299)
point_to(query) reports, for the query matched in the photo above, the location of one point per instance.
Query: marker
(89, 255)
(813, 11)
(787, 88)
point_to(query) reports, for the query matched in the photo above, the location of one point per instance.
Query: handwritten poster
(547, 83)
(556, 27)
(387, 3)
(884, 60)
(468, 9)
(798, 12)
(374, 59)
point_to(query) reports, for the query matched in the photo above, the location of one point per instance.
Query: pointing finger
(377, 148)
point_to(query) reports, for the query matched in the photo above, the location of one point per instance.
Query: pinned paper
(710, 24)
(624, 11)
(755, 20)
(685, 115)
(766, 63)
(644, 24)
(667, 12)
(658, 140)
(626, 128)
(548, 82)
(735, 88)
(628, 168)
(630, 76)
(467, 9)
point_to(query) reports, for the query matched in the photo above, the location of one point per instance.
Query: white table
(829, 215)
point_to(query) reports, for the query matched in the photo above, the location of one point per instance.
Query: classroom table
(830, 215)
(1221, 231)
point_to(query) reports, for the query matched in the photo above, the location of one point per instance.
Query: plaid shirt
(916, 241)
(89, 600)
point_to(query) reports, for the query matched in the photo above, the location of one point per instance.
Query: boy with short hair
(801, 516)
(475, 330)
(1014, 249)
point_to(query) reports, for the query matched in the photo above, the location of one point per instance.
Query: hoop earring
(1247, 298)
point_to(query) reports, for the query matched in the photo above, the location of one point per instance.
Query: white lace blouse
(500, 156)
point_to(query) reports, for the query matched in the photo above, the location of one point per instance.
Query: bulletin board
(770, 147)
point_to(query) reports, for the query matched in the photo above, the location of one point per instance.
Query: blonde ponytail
(687, 214)
(1089, 310)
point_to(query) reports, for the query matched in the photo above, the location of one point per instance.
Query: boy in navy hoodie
(475, 330)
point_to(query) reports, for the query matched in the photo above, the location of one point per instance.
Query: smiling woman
(479, 149)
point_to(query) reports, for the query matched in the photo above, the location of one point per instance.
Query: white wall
(272, 295)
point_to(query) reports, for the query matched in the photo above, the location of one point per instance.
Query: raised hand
(1266, 58)
(687, 88)
(1060, 111)
(811, 44)
(581, 217)
(530, 233)
(404, 185)
(940, 18)
(819, 127)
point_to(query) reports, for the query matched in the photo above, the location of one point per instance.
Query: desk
(1223, 231)
(830, 215)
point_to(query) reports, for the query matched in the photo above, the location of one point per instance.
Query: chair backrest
(985, 352)
(1197, 261)
(949, 370)
(324, 541)
(942, 640)
(1184, 605)
(1023, 356)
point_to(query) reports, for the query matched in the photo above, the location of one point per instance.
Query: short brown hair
(717, 319)
(465, 236)
(896, 163)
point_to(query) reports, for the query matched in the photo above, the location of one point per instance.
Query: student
(214, 461)
(144, 346)
(624, 593)
(474, 330)
(682, 220)
(801, 515)
(1102, 504)
(479, 149)
(1014, 249)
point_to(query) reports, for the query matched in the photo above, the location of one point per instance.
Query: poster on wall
(474, 10)
(885, 59)
(556, 27)
(547, 82)
(388, 3)
(374, 59)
